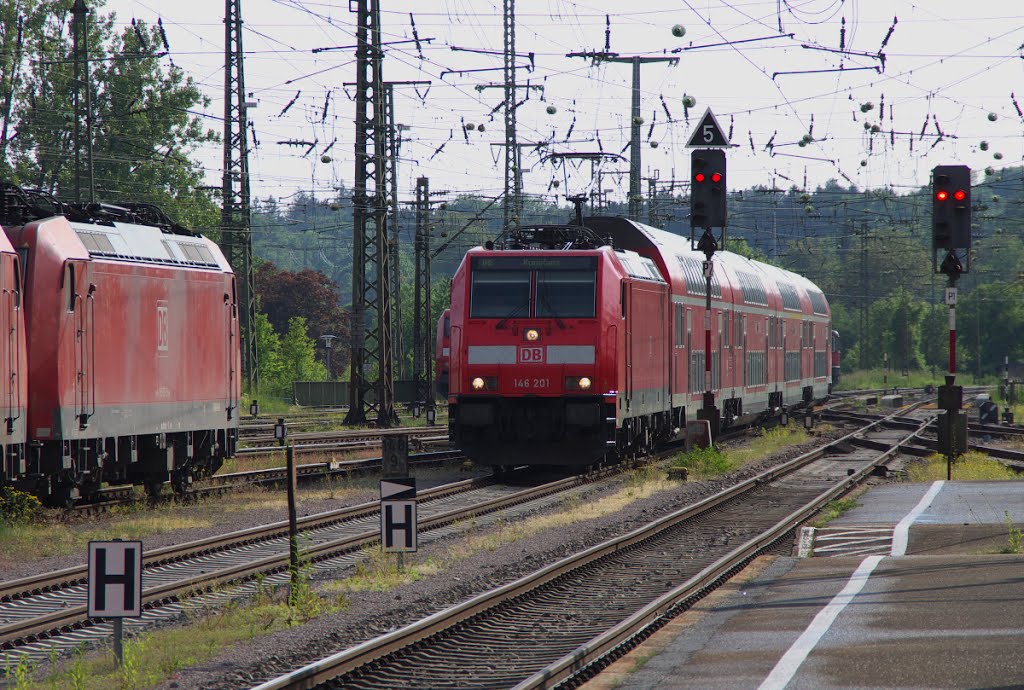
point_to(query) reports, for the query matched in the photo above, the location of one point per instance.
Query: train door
(80, 303)
(12, 326)
(626, 296)
(231, 316)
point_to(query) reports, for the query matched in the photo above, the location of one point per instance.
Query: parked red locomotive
(131, 326)
(570, 343)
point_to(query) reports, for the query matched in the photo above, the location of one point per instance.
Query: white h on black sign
(398, 514)
(115, 579)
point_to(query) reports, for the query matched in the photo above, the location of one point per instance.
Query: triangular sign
(398, 488)
(708, 134)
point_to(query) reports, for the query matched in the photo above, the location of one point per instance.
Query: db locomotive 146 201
(571, 343)
(131, 335)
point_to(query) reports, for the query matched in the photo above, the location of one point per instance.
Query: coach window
(500, 294)
(17, 284)
(566, 293)
(69, 283)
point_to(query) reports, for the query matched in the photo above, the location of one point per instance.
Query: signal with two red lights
(707, 188)
(951, 207)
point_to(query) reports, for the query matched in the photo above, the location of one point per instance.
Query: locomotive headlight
(532, 334)
(478, 384)
(577, 383)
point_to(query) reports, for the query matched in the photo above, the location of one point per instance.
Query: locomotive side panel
(133, 353)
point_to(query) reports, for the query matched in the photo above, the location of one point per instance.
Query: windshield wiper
(511, 314)
(542, 294)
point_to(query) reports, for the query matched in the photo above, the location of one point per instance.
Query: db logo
(531, 355)
(162, 327)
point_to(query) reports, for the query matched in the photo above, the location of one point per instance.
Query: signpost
(398, 516)
(708, 209)
(115, 585)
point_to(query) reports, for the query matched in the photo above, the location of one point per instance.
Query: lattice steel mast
(236, 236)
(371, 299)
(513, 200)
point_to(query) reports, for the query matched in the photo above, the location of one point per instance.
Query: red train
(570, 343)
(132, 342)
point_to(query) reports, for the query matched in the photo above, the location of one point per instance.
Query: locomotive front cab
(529, 385)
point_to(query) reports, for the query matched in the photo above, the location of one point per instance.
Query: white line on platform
(794, 657)
(901, 534)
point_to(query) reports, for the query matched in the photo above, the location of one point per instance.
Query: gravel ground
(374, 613)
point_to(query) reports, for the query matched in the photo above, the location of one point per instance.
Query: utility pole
(635, 196)
(82, 100)
(421, 326)
(236, 235)
(372, 353)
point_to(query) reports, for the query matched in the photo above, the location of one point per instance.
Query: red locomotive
(442, 355)
(131, 327)
(13, 366)
(569, 343)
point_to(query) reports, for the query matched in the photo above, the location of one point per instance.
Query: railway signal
(707, 188)
(951, 207)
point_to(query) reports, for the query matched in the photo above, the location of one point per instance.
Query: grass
(704, 463)
(1015, 536)
(873, 378)
(969, 466)
(832, 510)
(155, 657)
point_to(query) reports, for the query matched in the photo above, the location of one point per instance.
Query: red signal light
(699, 177)
(716, 177)
(941, 195)
(959, 195)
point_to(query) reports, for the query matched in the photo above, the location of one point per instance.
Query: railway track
(111, 497)
(354, 437)
(560, 622)
(48, 611)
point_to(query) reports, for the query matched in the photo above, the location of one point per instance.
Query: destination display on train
(511, 263)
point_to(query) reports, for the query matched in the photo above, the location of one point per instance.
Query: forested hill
(870, 251)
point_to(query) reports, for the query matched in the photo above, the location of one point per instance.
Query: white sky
(948, 60)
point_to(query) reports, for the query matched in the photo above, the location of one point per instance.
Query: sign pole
(293, 527)
(119, 641)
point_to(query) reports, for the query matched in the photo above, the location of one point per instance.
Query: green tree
(298, 354)
(268, 345)
(144, 132)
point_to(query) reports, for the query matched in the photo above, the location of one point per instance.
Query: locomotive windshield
(566, 294)
(560, 287)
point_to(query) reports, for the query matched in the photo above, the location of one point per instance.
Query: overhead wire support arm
(328, 49)
(825, 71)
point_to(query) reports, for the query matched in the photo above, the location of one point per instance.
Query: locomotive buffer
(708, 210)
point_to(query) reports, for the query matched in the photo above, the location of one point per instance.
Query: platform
(947, 613)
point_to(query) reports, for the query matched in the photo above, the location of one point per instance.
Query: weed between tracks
(704, 463)
(970, 465)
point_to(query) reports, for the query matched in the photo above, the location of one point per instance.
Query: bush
(17, 507)
(704, 462)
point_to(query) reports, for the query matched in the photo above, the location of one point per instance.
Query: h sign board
(398, 514)
(398, 525)
(115, 579)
